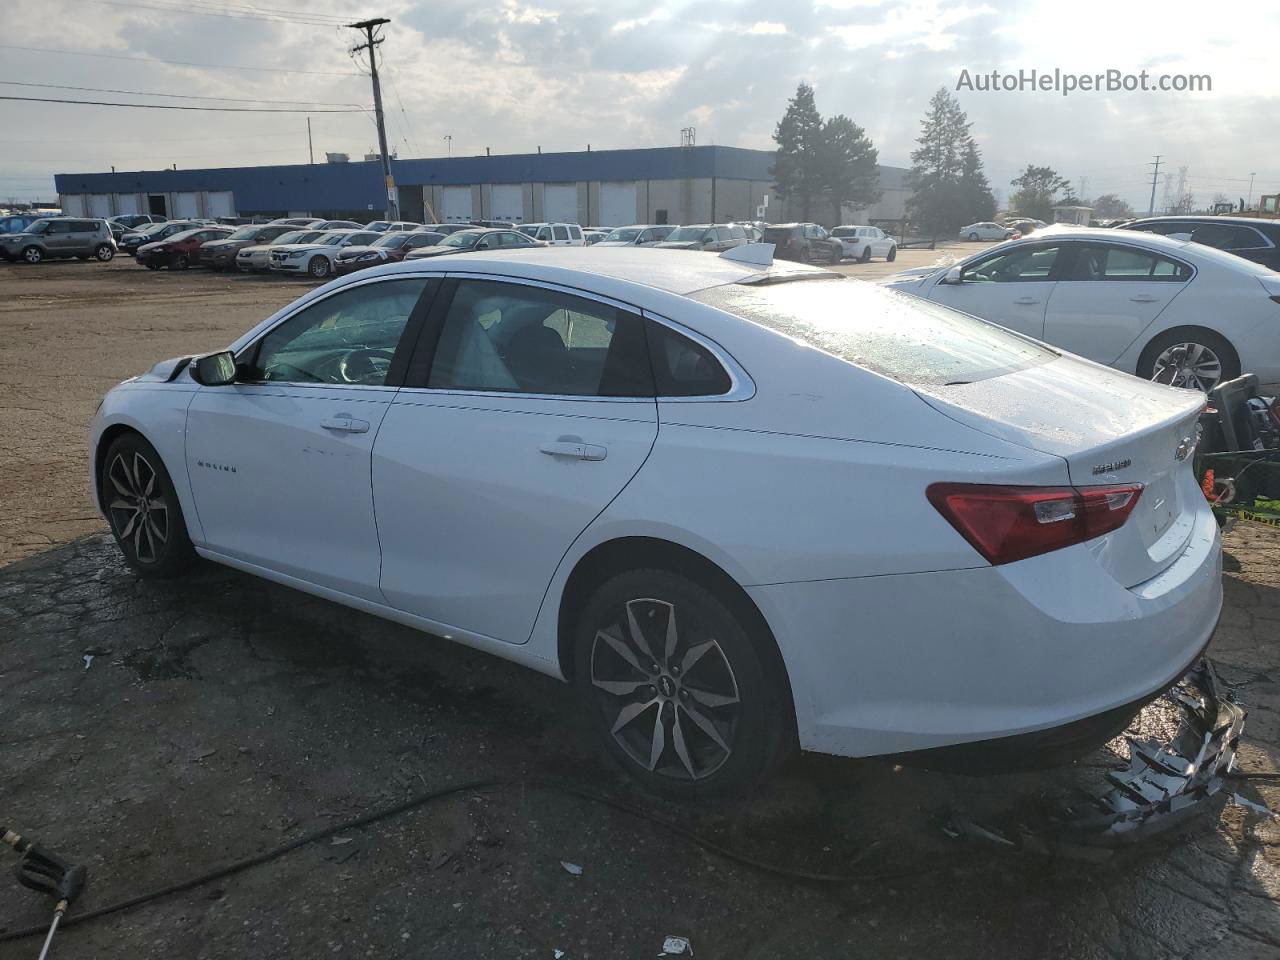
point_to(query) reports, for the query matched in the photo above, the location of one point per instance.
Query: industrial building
(593, 187)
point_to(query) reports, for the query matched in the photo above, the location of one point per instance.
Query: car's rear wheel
(973, 236)
(866, 254)
(1190, 357)
(104, 252)
(152, 265)
(678, 686)
(319, 267)
(893, 254)
(180, 262)
(33, 254)
(143, 510)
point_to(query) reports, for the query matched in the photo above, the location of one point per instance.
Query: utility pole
(1250, 200)
(448, 142)
(311, 154)
(371, 44)
(1155, 174)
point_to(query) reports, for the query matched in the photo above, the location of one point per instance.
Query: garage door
(221, 203)
(457, 204)
(617, 204)
(127, 203)
(99, 205)
(560, 202)
(73, 205)
(508, 203)
(186, 205)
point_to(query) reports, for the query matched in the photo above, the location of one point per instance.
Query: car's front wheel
(143, 510)
(180, 262)
(679, 688)
(973, 236)
(33, 254)
(319, 267)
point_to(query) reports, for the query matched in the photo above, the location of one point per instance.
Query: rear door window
(560, 233)
(1229, 237)
(575, 232)
(1105, 262)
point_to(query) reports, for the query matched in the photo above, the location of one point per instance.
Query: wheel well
(608, 559)
(1187, 330)
(108, 437)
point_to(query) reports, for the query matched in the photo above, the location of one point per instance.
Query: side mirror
(953, 276)
(483, 245)
(214, 369)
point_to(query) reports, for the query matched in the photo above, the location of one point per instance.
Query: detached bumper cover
(1164, 785)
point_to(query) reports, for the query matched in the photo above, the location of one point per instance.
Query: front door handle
(574, 449)
(346, 425)
(1027, 301)
(1144, 298)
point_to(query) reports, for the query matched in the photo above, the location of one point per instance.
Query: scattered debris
(338, 841)
(571, 868)
(88, 660)
(676, 947)
(1163, 785)
(557, 953)
(1240, 801)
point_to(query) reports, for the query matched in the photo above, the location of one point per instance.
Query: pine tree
(848, 168)
(949, 188)
(796, 168)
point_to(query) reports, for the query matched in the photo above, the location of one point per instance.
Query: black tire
(893, 254)
(319, 267)
(973, 236)
(153, 539)
(104, 252)
(32, 254)
(152, 265)
(726, 695)
(1229, 360)
(866, 254)
(180, 262)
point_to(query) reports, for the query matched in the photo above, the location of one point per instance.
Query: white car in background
(557, 234)
(638, 235)
(319, 257)
(1160, 308)
(258, 257)
(863, 243)
(898, 528)
(986, 231)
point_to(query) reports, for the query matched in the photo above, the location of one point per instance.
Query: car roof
(1207, 219)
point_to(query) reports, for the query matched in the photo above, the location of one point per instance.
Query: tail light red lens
(1005, 524)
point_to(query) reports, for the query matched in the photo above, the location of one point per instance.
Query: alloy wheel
(1190, 365)
(33, 255)
(667, 690)
(139, 510)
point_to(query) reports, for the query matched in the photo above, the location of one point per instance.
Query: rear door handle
(574, 449)
(1144, 298)
(1026, 300)
(346, 425)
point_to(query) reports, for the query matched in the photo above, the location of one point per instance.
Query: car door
(279, 461)
(880, 242)
(1011, 288)
(58, 238)
(527, 410)
(1108, 295)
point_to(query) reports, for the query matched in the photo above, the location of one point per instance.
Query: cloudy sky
(515, 75)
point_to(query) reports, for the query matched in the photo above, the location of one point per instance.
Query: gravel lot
(160, 730)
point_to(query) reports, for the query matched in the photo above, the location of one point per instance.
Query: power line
(179, 96)
(186, 9)
(179, 63)
(173, 106)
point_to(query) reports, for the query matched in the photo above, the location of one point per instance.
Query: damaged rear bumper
(1163, 785)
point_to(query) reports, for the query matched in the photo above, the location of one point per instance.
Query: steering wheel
(359, 366)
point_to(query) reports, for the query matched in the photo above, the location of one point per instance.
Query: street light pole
(371, 44)
(448, 140)
(1250, 200)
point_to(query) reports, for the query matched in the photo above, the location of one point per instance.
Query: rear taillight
(1005, 524)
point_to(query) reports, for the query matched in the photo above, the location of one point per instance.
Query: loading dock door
(186, 205)
(457, 204)
(156, 205)
(560, 202)
(508, 202)
(99, 205)
(221, 203)
(127, 203)
(617, 204)
(73, 205)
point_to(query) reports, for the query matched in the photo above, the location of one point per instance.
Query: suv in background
(863, 243)
(221, 254)
(714, 237)
(559, 235)
(60, 237)
(17, 222)
(806, 242)
(1256, 240)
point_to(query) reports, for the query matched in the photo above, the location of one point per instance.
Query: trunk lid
(1110, 428)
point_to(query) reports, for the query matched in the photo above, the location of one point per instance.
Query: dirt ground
(161, 730)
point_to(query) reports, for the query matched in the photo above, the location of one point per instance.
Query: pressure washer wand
(46, 872)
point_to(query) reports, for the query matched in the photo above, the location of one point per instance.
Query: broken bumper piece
(1164, 784)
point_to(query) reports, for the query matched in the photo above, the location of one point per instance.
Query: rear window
(778, 233)
(907, 339)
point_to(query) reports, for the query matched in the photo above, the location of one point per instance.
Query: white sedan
(986, 231)
(1153, 306)
(740, 506)
(318, 258)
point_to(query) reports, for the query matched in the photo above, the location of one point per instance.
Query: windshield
(393, 240)
(182, 234)
(625, 235)
(332, 239)
(686, 234)
(244, 233)
(463, 238)
(894, 334)
(39, 226)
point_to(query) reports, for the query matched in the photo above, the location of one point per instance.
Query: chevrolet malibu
(739, 506)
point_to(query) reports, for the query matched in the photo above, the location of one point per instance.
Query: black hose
(421, 799)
